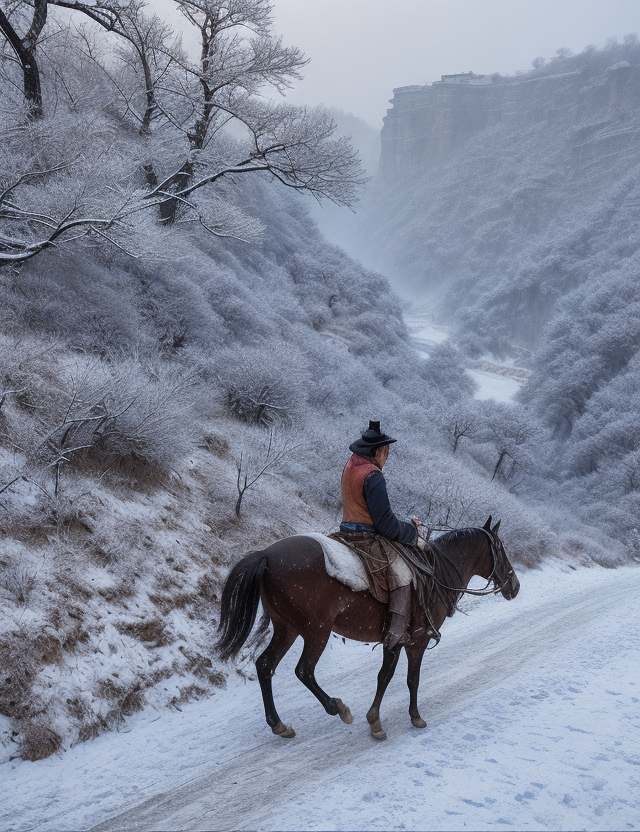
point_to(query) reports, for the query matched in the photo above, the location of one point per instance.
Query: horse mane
(453, 536)
(439, 577)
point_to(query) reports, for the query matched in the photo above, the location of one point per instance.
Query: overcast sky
(361, 49)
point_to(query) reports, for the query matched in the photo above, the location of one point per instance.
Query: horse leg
(266, 663)
(414, 657)
(314, 645)
(389, 662)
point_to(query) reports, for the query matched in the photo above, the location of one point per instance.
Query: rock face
(426, 125)
(503, 195)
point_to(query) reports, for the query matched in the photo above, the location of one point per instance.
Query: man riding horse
(300, 597)
(369, 524)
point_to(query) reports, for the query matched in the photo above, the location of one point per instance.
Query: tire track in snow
(248, 787)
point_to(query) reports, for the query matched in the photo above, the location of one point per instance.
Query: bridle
(498, 585)
(496, 548)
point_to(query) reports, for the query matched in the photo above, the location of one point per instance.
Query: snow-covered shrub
(443, 372)
(459, 424)
(512, 434)
(125, 420)
(262, 386)
(29, 379)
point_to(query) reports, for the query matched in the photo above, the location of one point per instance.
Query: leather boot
(400, 610)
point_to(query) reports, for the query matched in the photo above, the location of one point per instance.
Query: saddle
(376, 553)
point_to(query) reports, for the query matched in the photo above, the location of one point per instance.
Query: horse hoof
(418, 722)
(284, 731)
(377, 731)
(344, 712)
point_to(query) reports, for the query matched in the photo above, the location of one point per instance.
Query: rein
(451, 604)
(485, 590)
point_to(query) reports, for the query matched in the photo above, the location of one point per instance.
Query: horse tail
(239, 605)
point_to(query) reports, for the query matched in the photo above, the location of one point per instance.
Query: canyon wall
(426, 125)
(503, 194)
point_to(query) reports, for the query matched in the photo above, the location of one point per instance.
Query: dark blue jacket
(384, 520)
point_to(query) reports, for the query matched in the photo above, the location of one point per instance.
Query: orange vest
(354, 505)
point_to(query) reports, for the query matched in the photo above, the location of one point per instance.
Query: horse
(300, 598)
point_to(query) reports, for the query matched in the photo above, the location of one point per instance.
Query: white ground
(533, 712)
(425, 334)
(494, 386)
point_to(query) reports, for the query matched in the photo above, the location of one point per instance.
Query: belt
(356, 527)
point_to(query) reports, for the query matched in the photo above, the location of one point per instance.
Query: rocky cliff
(514, 204)
(506, 194)
(426, 125)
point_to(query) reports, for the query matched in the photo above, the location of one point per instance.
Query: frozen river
(495, 381)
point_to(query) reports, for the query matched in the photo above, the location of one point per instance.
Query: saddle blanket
(341, 563)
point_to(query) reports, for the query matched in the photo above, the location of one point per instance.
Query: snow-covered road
(533, 712)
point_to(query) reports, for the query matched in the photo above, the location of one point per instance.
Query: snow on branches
(126, 122)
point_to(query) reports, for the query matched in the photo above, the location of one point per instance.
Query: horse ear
(496, 527)
(487, 525)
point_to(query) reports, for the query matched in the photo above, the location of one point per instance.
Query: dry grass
(22, 654)
(33, 525)
(208, 588)
(215, 444)
(38, 741)
(124, 701)
(70, 587)
(90, 724)
(132, 701)
(150, 632)
(91, 728)
(47, 647)
(202, 666)
(18, 670)
(67, 621)
(103, 555)
(174, 601)
(124, 588)
(17, 584)
(187, 693)
(158, 675)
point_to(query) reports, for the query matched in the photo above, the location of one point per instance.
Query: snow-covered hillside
(137, 396)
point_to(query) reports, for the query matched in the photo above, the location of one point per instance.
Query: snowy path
(533, 722)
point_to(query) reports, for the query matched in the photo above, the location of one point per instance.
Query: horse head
(502, 574)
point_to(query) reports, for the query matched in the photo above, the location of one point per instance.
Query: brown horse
(300, 598)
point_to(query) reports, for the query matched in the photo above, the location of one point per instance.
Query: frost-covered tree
(24, 47)
(510, 430)
(182, 106)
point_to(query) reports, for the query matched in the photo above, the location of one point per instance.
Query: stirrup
(393, 640)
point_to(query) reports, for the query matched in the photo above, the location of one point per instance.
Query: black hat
(371, 439)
